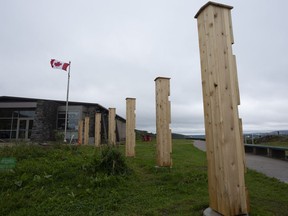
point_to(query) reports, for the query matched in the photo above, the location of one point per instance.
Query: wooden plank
(112, 127)
(225, 162)
(203, 43)
(97, 129)
(231, 27)
(163, 119)
(240, 164)
(235, 77)
(232, 150)
(214, 93)
(130, 127)
(228, 126)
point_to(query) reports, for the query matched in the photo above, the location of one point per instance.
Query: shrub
(111, 162)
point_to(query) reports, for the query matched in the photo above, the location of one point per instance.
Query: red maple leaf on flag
(57, 64)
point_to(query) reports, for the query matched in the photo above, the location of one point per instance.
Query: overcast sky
(118, 47)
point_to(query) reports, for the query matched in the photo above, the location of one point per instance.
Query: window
(72, 123)
(10, 121)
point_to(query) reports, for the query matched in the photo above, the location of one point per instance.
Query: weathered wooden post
(86, 130)
(80, 132)
(97, 129)
(130, 127)
(112, 127)
(221, 99)
(163, 120)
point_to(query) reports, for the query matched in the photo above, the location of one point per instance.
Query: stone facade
(44, 125)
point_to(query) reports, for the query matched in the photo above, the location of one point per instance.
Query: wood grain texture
(130, 127)
(86, 130)
(97, 129)
(112, 127)
(221, 99)
(163, 120)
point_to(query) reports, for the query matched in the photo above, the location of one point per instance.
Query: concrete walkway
(271, 167)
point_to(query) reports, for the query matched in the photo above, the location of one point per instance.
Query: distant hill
(271, 138)
(280, 132)
(141, 133)
(178, 136)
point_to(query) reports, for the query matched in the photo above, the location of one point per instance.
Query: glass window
(27, 113)
(6, 113)
(5, 124)
(61, 124)
(61, 115)
(6, 134)
(9, 120)
(72, 122)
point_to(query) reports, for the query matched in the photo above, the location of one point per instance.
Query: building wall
(45, 119)
(120, 130)
(44, 125)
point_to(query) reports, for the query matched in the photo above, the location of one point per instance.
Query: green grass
(59, 181)
(272, 140)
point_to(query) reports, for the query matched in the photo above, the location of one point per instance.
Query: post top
(162, 78)
(128, 98)
(214, 4)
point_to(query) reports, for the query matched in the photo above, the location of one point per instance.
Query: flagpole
(66, 114)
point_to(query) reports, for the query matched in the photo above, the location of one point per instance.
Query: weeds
(111, 162)
(63, 180)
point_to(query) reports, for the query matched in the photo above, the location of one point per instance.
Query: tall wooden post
(163, 120)
(97, 129)
(112, 127)
(80, 132)
(86, 130)
(130, 127)
(221, 99)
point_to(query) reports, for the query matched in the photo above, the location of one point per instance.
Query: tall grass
(59, 181)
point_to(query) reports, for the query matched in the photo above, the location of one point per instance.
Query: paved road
(268, 166)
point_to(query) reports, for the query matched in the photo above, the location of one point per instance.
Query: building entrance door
(24, 128)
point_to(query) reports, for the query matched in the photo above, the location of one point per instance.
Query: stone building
(41, 120)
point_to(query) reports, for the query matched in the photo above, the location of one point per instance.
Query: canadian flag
(59, 65)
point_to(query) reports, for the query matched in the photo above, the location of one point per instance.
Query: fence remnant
(130, 127)
(221, 99)
(163, 120)
(112, 127)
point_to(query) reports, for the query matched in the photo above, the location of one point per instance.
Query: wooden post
(80, 132)
(130, 127)
(112, 127)
(86, 131)
(221, 99)
(163, 120)
(97, 129)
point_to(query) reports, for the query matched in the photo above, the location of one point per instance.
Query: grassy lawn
(272, 140)
(59, 181)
